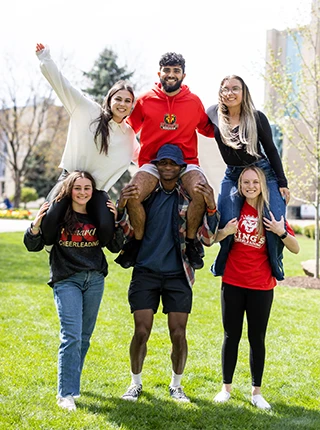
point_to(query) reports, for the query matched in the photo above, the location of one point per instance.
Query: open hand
(39, 47)
(208, 194)
(40, 214)
(112, 208)
(277, 227)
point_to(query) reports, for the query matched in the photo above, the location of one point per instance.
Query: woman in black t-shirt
(77, 267)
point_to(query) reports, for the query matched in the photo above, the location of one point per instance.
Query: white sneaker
(67, 403)
(178, 394)
(260, 403)
(222, 397)
(133, 392)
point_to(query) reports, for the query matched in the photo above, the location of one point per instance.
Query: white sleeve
(136, 151)
(68, 95)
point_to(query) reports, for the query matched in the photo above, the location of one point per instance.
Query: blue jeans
(77, 300)
(229, 205)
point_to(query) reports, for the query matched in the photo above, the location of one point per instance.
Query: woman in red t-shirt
(247, 282)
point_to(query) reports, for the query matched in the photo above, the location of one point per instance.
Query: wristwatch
(284, 235)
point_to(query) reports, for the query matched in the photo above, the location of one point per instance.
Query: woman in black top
(77, 267)
(245, 139)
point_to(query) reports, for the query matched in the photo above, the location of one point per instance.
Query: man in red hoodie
(169, 113)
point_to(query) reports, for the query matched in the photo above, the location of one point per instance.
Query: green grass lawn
(30, 337)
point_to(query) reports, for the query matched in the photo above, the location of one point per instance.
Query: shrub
(28, 194)
(309, 231)
(297, 229)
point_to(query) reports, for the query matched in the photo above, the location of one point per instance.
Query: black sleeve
(33, 242)
(212, 113)
(266, 140)
(116, 244)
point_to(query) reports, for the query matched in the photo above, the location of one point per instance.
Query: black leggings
(235, 301)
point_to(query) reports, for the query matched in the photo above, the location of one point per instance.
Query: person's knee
(141, 335)
(145, 183)
(178, 335)
(190, 180)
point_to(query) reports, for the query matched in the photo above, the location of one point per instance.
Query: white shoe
(260, 403)
(133, 392)
(222, 397)
(67, 403)
(178, 394)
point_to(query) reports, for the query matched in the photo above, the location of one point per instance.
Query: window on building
(293, 64)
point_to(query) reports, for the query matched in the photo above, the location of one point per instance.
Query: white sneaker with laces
(258, 401)
(178, 394)
(132, 393)
(67, 403)
(222, 397)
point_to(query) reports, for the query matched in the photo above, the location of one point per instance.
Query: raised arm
(69, 96)
(279, 228)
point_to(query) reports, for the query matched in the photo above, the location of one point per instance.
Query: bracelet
(284, 235)
(34, 228)
(211, 211)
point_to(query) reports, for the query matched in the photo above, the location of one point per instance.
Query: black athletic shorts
(146, 287)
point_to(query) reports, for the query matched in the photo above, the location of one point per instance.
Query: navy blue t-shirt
(164, 256)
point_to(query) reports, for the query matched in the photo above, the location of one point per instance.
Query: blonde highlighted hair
(262, 199)
(247, 134)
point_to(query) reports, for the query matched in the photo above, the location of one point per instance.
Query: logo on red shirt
(84, 235)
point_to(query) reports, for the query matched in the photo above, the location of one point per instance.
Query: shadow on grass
(150, 412)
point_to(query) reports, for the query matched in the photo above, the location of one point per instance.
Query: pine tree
(104, 74)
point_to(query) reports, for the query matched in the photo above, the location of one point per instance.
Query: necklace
(167, 192)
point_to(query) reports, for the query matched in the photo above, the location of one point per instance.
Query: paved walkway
(12, 225)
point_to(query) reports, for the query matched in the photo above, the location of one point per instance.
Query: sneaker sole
(129, 399)
(181, 400)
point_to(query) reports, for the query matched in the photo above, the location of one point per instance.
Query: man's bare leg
(143, 321)
(197, 205)
(195, 214)
(146, 184)
(177, 322)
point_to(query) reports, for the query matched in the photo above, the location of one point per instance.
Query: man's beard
(170, 88)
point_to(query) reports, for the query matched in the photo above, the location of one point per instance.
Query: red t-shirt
(248, 264)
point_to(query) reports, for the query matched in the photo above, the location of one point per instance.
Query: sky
(217, 38)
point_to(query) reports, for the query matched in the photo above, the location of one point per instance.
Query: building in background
(290, 50)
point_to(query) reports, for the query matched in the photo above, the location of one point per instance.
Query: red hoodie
(164, 119)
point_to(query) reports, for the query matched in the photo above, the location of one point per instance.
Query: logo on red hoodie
(169, 122)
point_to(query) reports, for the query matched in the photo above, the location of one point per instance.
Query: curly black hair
(172, 59)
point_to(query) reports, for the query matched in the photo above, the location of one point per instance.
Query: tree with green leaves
(28, 194)
(28, 117)
(104, 74)
(293, 104)
(42, 173)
